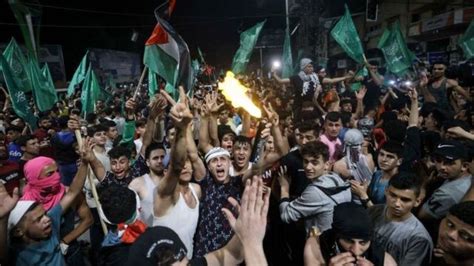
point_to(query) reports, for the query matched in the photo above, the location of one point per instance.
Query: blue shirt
(14, 152)
(46, 252)
(377, 188)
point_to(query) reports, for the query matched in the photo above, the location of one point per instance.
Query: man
(140, 131)
(348, 241)
(436, 89)
(111, 133)
(306, 85)
(35, 233)
(145, 185)
(389, 159)
(452, 165)
(176, 203)
(30, 147)
(316, 203)
(396, 229)
(373, 82)
(162, 246)
(44, 133)
(305, 132)
(322, 76)
(13, 149)
(332, 127)
(456, 233)
(223, 118)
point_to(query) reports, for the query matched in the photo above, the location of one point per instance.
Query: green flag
(152, 84)
(363, 72)
(18, 97)
(47, 74)
(466, 42)
(398, 58)
(345, 34)
(78, 76)
(248, 39)
(287, 58)
(28, 18)
(90, 91)
(201, 56)
(43, 90)
(296, 68)
(18, 64)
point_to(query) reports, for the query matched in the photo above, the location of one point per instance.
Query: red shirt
(10, 175)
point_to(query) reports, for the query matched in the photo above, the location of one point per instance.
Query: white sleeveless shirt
(183, 220)
(146, 210)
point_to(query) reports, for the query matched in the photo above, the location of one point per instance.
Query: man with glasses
(452, 165)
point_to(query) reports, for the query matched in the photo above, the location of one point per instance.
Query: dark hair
(153, 146)
(395, 130)
(393, 147)
(96, 128)
(119, 151)
(307, 125)
(108, 123)
(14, 128)
(76, 111)
(118, 203)
(333, 116)
(464, 211)
(315, 149)
(345, 118)
(62, 121)
(242, 140)
(374, 62)
(90, 118)
(22, 140)
(141, 122)
(439, 62)
(406, 180)
(108, 111)
(43, 118)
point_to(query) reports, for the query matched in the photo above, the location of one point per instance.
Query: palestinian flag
(167, 54)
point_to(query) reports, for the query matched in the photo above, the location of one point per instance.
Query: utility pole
(287, 16)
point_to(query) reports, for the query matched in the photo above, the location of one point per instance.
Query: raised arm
(360, 102)
(78, 182)
(337, 80)
(455, 85)
(7, 203)
(199, 169)
(249, 228)
(414, 116)
(280, 80)
(153, 126)
(204, 145)
(182, 117)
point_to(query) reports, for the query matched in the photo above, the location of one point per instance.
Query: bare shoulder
(137, 183)
(197, 189)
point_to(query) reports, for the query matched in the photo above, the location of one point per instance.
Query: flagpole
(95, 195)
(140, 82)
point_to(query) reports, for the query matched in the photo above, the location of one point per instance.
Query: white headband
(216, 152)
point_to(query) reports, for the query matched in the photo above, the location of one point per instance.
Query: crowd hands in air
(330, 175)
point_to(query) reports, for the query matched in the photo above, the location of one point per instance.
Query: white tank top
(183, 220)
(146, 210)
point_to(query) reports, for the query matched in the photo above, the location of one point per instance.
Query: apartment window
(415, 17)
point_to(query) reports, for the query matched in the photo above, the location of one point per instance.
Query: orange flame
(236, 93)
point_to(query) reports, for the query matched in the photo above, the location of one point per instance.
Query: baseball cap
(451, 150)
(146, 249)
(18, 212)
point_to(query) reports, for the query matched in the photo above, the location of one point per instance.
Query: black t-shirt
(372, 96)
(301, 95)
(294, 163)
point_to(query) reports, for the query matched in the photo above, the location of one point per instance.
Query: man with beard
(456, 236)
(451, 161)
(436, 89)
(145, 185)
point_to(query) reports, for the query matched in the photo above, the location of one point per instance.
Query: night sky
(213, 25)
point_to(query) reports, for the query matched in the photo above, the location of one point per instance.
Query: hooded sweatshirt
(316, 203)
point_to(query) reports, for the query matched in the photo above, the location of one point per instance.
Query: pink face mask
(46, 190)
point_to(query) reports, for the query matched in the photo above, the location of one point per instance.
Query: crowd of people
(331, 174)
